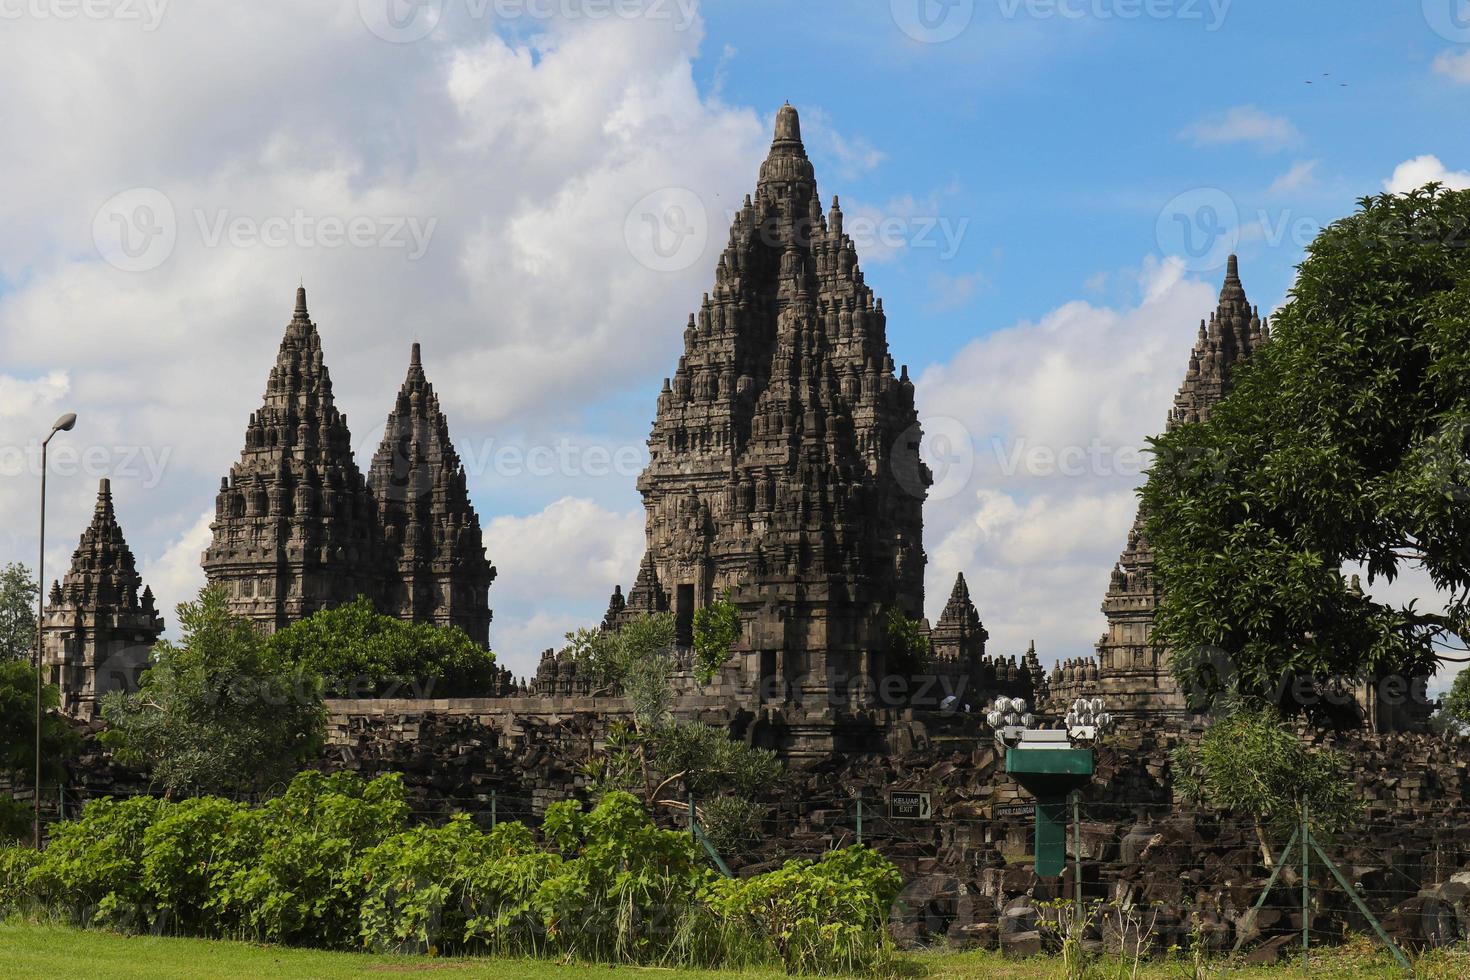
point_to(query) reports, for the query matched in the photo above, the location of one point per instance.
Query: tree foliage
(18, 594)
(360, 652)
(18, 726)
(909, 652)
(1249, 762)
(1344, 442)
(1457, 703)
(656, 756)
(716, 628)
(219, 711)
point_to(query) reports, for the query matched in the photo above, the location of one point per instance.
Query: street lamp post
(63, 424)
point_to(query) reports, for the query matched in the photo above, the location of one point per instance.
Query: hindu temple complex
(784, 474)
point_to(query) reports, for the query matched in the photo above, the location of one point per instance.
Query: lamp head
(65, 423)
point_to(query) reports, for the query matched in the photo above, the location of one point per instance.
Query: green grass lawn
(62, 953)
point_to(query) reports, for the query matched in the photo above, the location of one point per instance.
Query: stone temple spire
(784, 460)
(431, 531)
(295, 526)
(1233, 333)
(959, 635)
(100, 622)
(1135, 676)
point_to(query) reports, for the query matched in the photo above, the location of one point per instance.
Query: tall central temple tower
(784, 459)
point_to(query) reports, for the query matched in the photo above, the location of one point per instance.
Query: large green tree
(359, 651)
(219, 711)
(1343, 444)
(18, 591)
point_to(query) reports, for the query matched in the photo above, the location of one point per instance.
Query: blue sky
(1049, 194)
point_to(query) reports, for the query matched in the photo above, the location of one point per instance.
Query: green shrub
(16, 866)
(500, 894)
(817, 916)
(183, 852)
(414, 887)
(620, 897)
(332, 863)
(291, 875)
(93, 866)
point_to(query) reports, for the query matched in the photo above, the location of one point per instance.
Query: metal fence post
(1077, 855)
(492, 809)
(1306, 888)
(860, 821)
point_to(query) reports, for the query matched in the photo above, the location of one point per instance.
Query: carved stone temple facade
(1133, 676)
(100, 619)
(298, 528)
(784, 465)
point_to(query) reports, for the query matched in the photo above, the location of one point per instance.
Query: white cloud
(524, 153)
(556, 570)
(1454, 65)
(1038, 509)
(1243, 124)
(176, 572)
(1301, 175)
(1413, 174)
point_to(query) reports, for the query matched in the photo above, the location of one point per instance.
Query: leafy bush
(94, 866)
(414, 887)
(333, 863)
(363, 653)
(500, 894)
(817, 916)
(183, 851)
(292, 874)
(16, 889)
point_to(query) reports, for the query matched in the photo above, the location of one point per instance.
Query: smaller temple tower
(431, 531)
(959, 635)
(100, 623)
